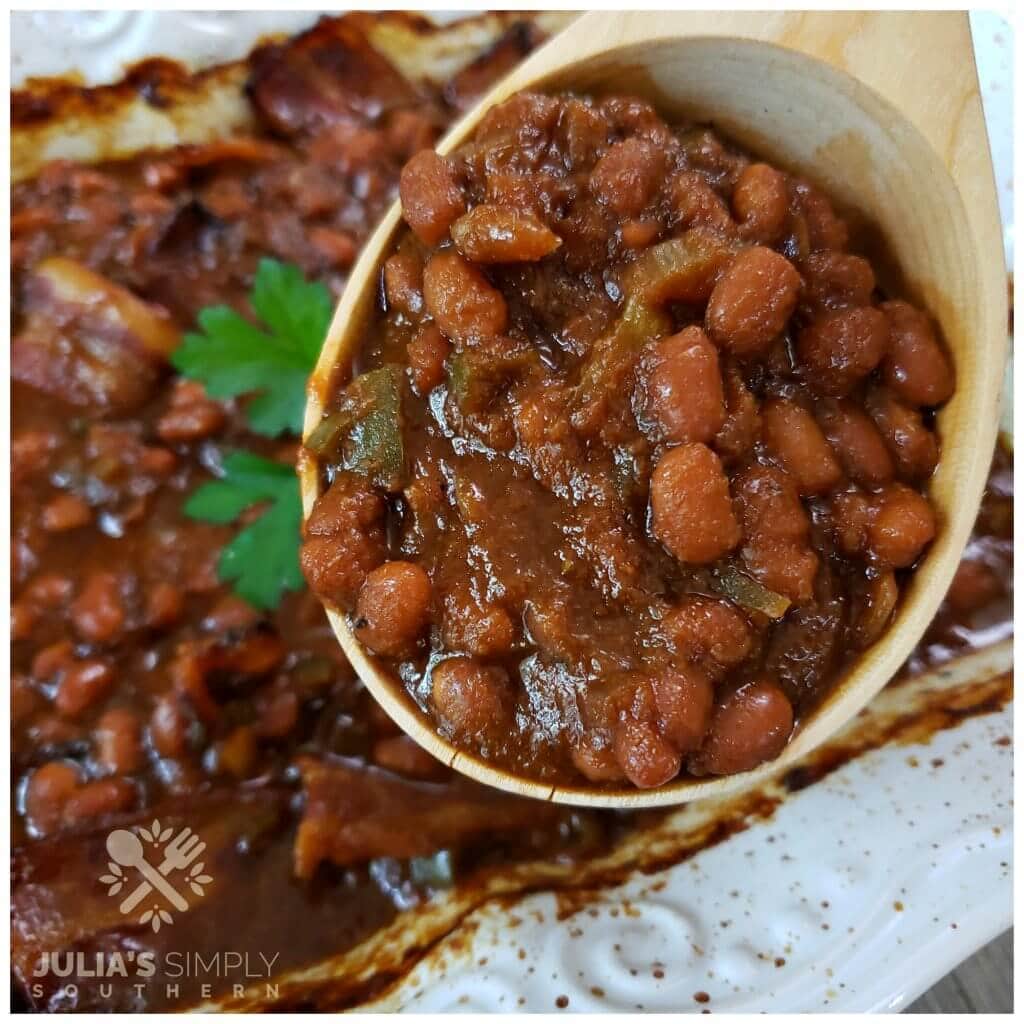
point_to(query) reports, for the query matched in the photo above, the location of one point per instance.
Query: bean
(742, 427)
(403, 281)
(825, 230)
(237, 752)
(427, 353)
(82, 685)
(472, 700)
(53, 659)
(98, 613)
(49, 590)
(760, 201)
(497, 234)
(338, 248)
(343, 539)
(170, 726)
(911, 444)
(638, 234)
(776, 529)
(279, 714)
(856, 440)
(118, 742)
(393, 608)
(682, 392)
(49, 788)
(710, 630)
(463, 303)
(691, 508)
(627, 176)
(874, 606)
(646, 758)
(903, 524)
(23, 619)
(752, 301)
(594, 757)
(97, 800)
(850, 513)
(431, 195)
(973, 586)
(475, 626)
(916, 368)
(404, 755)
(836, 280)
(230, 613)
(839, 349)
(750, 726)
(65, 512)
(165, 604)
(795, 439)
(683, 697)
(191, 415)
(697, 204)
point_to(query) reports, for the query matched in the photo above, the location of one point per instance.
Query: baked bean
(403, 281)
(825, 230)
(83, 684)
(498, 234)
(171, 726)
(841, 348)
(626, 177)
(463, 303)
(850, 513)
(795, 439)
(874, 607)
(404, 755)
(476, 627)
(191, 415)
(594, 757)
(902, 525)
(431, 195)
(683, 697)
(910, 442)
(49, 590)
(30, 453)
(691, 509)
(836, 280)
(709, 629)
(343, 538)
(646, 758)
(117, 742)
(53, 659)
(66, 512)
(97, 800)
(751, 726)
(165, 604)
(230, 613)
(279, 714)
(699, 205)
(98, 613)
(49, 788)
(856, 440)
(393, 608)
(776, 532)
(683, 387)
(973, 586)
(916, 368)
(471, 699)
(427, 353)
(23, 619)
(638, 234)
(26, 700)
(742, 427)
(752, 301)
(760, 201)
(338, 248)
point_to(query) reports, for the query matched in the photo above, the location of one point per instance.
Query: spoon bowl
(881, 110)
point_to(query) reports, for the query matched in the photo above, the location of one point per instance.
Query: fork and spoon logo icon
(180, 852)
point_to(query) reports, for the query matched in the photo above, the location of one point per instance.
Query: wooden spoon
(883, 111)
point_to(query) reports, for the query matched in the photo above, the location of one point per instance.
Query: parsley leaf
(233, 357)
(263, 558)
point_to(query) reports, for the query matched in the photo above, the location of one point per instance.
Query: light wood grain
(883, 110)
(981, 984)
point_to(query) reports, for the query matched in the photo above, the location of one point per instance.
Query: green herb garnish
(233, 357)
(263, 559)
